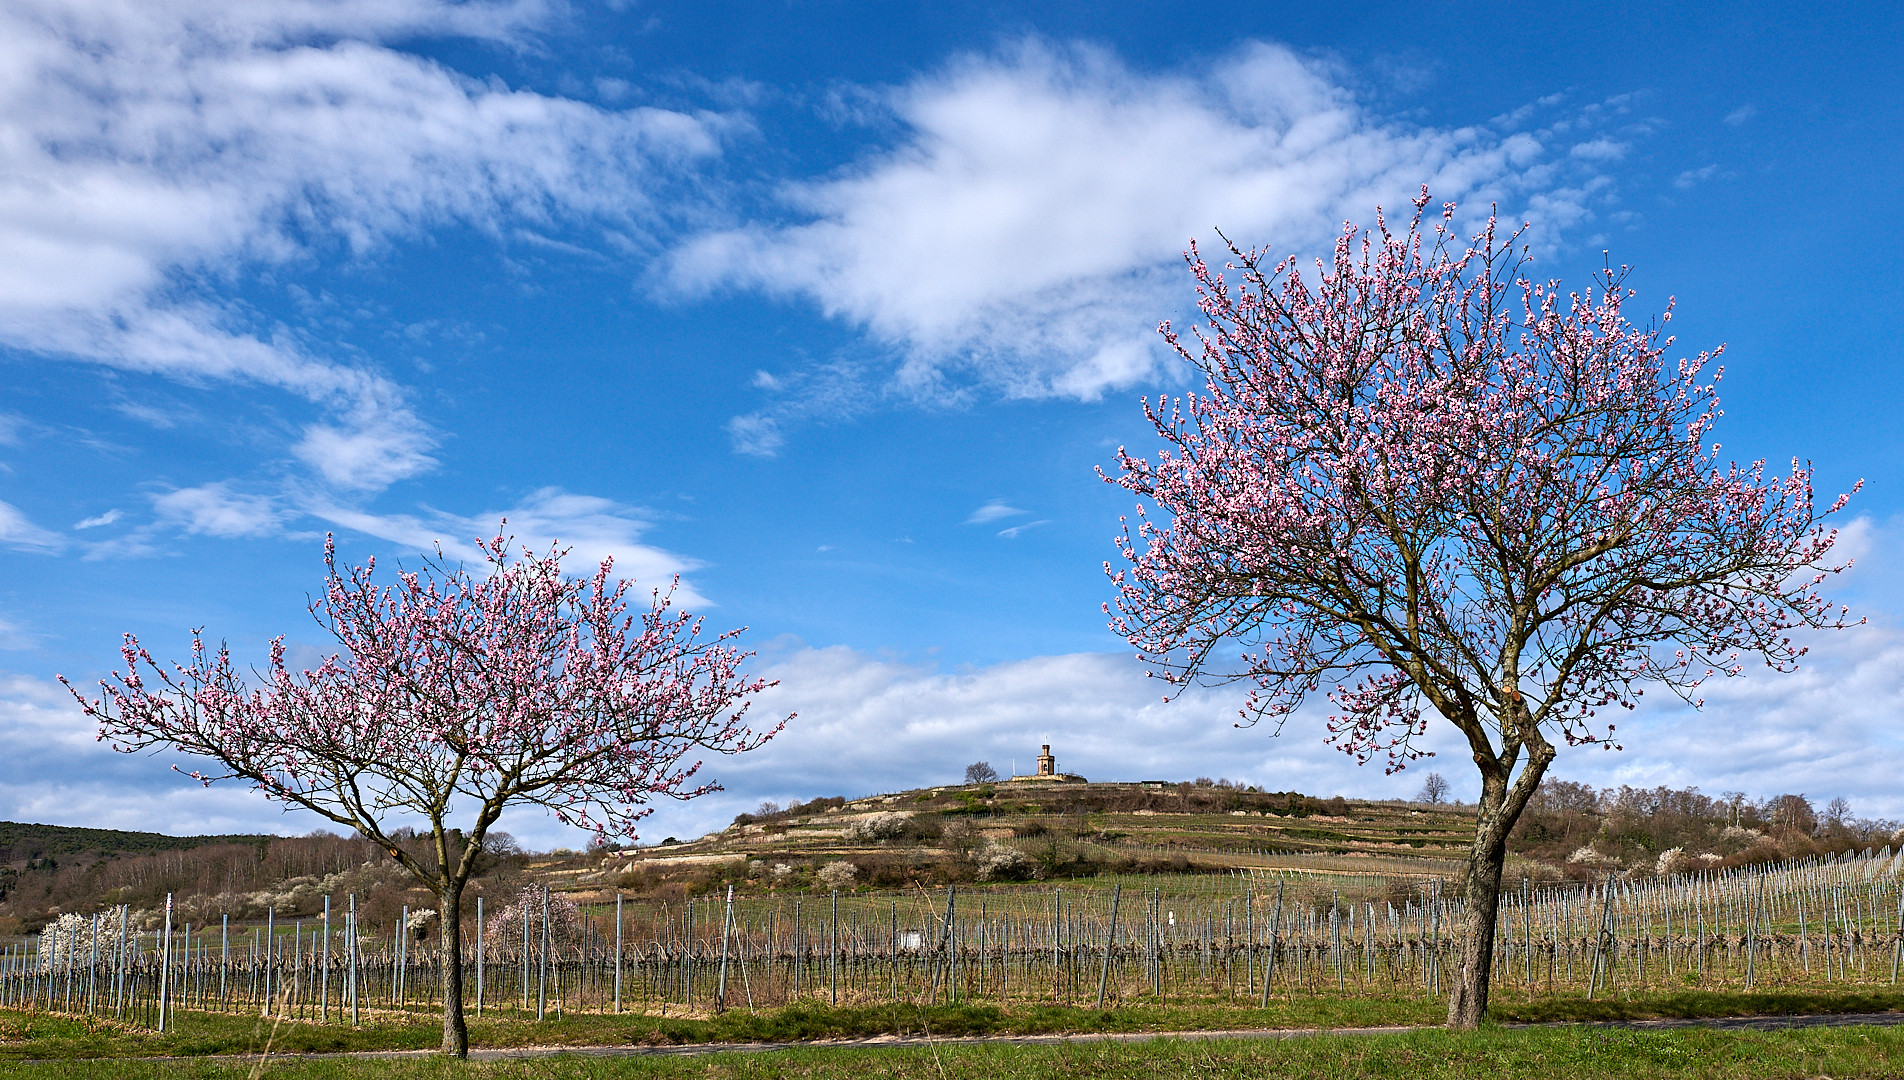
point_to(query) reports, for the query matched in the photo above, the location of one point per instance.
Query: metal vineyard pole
(1057, 944)
(121, 948)
(350, 958)
(270, 930)
(92, 969)
(1110, 938)
(727, 929)
(542, 965)
(618, 952)
(165, 963)
(480, 956)
(1275, 932)
(1897, 943)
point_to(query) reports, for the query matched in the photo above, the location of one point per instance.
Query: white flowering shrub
(1587, 857)
(998, 862)
(1671, 861)
(505, 927)
(838, 875)
(878, 828)
(71, 935)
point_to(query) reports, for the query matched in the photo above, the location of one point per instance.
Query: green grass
(1570, 1053)
(39, 1035)
(32, 1035)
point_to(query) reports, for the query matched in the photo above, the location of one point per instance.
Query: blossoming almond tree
(1426, 486)
(454, 696)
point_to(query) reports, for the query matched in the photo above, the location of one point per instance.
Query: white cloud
(150, 152)
(17, 531)
(101, 520)
(370, 453)
(868, 725)
(216, 510)
(992, 511)
(755, 435)
(1029, 226)
(58, 773)
(1601, 149)
(1692, 178)
(1012, 533)
(593, 528)
(1741, 114)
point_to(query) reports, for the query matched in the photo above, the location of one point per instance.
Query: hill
(1022, 829)
(24, 841)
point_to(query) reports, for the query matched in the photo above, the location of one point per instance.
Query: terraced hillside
(1020, 830)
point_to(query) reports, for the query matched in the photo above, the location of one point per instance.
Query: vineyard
(1237, 937)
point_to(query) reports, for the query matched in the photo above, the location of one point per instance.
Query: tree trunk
(1496, 811)
(1467, 1003)
(450, 915)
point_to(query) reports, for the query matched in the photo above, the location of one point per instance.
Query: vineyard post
(617, 953)
(1527, 933)
(1335, 930)
(542, 963)
(400, 955)
(727, 928)
(324, 989)
(1599, 938)
(165, 964)
(350, 957)
(1275, 932)
(1752, 937)
(270, 930)
(1110, 939)
(480, 958)
(119, 987)
(92, 969)
(1057, 944)
(1897, 942)
(1249, 934)
(832, 955)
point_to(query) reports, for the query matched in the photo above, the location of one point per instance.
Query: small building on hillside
(1048, 771)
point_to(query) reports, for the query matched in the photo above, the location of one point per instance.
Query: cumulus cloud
(148, 152)
(59, 774)
(592, 528)
(1028, 226)
(1601, 149)
(869, 725)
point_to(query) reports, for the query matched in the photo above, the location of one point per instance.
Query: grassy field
(35, 1044)
(1550, 1053)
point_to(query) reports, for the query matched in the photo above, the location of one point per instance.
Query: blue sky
(833, 309)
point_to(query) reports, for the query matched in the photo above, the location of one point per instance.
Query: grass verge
(1565, 1053)
(34, 1035)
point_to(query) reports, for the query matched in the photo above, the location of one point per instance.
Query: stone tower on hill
(1048, 771)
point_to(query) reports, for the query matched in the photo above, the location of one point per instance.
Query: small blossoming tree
(1426, 486)
(456, 695)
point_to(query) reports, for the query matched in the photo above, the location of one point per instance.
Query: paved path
(1730, 1023)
